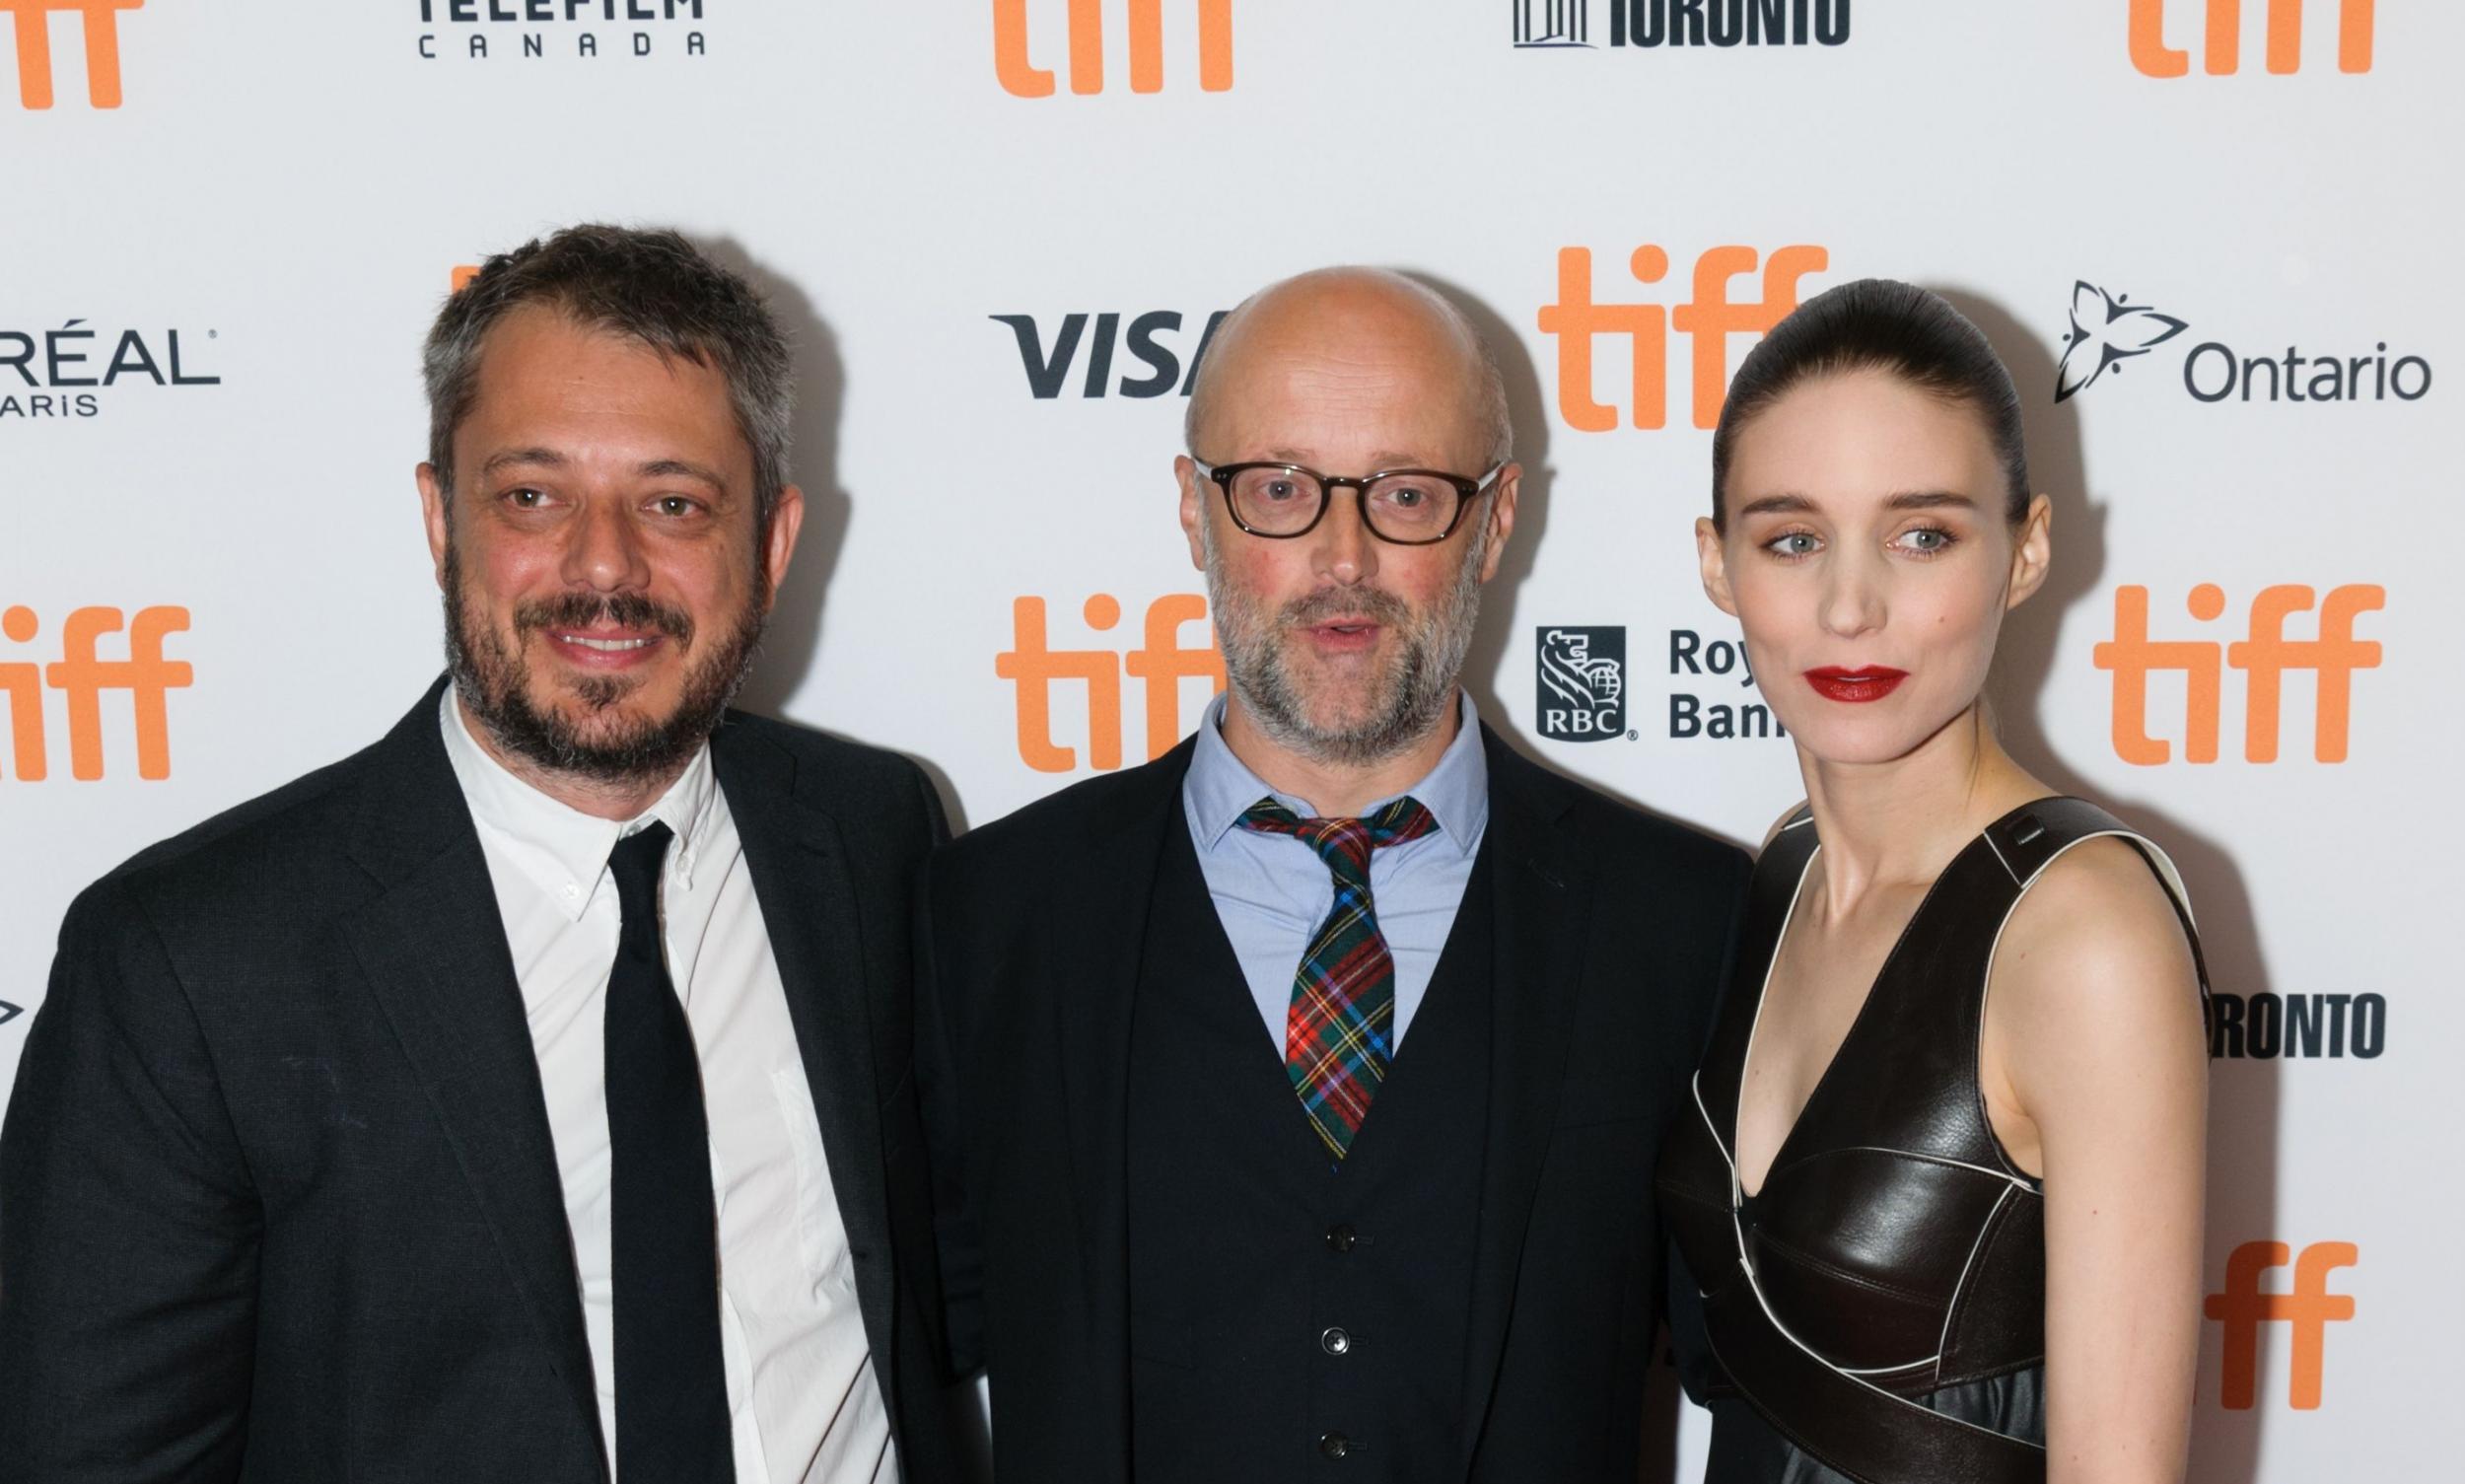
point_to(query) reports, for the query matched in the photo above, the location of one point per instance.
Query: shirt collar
(558, 848)
(1220, 787)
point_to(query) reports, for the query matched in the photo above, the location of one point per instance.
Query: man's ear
(1501, 517)
(434, 514)
(787, 520)
(1193, 506)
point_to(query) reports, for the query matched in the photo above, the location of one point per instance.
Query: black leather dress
(1876, 1311)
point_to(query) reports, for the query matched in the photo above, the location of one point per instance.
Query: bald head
(1338, 327)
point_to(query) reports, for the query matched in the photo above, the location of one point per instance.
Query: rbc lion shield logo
(1582, 683)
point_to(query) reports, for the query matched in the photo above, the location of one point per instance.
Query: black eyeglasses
(1405, 506)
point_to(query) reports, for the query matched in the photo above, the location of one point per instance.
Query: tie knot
(1344, 843)
(635, 864)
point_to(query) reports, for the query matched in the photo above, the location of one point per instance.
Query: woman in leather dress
(1940, 1195)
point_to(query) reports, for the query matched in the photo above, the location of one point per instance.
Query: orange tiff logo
(82, 676)
(1160, 659)
(2223, 53)
(102, 47)
(2264, 658)
(2311, 1308)
(1025, 79)
(1708, 318)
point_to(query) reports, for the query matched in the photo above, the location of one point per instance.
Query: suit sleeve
(1690, 1347)
(956, 1241)
(128, 1225)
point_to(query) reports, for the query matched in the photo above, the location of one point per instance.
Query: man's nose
(605, 552)
(1345, 552)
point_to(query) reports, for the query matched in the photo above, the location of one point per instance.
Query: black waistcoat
(1283, 1310)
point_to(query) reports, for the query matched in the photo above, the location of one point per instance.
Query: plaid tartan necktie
(1339, 1033)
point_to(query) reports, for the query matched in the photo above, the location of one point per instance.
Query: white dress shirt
(803, 1404)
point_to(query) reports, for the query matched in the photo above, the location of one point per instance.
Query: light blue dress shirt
(1271, 892)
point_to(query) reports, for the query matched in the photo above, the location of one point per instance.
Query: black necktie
(671, 1386)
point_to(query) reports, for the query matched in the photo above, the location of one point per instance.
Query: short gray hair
(653, 286)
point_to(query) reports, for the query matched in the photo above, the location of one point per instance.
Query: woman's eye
(1925, 538)
(1793, 543)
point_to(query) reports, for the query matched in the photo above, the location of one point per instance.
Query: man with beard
(1293, 1097)
(525, 1096)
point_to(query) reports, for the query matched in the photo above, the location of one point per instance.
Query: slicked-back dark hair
(1880, 324)
(653, 286)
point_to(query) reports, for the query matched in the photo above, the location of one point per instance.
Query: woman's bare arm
(2095, 1070)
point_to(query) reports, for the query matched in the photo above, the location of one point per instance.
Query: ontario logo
(9, 1011)
(72, 371)
(2107, 332)
(1582, 683)
(574, 30)
(102, 27)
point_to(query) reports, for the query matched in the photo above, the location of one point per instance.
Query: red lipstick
(1869, 683)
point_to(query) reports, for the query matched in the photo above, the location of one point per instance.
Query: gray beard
(1411, 697)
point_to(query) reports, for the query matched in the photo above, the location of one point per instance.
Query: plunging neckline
(1739, 1194)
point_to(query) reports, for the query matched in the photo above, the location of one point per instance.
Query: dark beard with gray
(494, 683)
(1409, 699)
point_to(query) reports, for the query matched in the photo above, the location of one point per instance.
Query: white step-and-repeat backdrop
(2216, 240)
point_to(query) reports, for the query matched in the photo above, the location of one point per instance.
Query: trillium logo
(2106, 331)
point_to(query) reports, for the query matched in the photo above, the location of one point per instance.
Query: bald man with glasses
(1292, 1098)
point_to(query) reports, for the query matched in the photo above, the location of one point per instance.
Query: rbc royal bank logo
(2222, 45)
(1582, 683)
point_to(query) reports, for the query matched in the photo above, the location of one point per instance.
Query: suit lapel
(808, 894)
(1543, 905)
(1093, 1003)
(432, 947)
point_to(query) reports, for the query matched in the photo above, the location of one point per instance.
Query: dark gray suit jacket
(1612, 932)
(278, 1198)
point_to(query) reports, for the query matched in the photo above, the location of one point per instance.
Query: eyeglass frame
(1466, 491)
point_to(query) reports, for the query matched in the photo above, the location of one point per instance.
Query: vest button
(1340, 1238)
(1335, 1342)
(1334, 1445)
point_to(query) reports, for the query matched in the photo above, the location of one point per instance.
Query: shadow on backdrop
(795, 634)
(2243, 1104)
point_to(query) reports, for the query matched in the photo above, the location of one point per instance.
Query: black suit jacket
(1612, 935)
(277, 1197)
